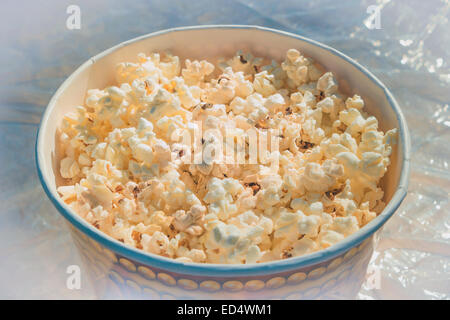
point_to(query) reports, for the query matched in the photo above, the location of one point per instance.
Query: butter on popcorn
(123, 169)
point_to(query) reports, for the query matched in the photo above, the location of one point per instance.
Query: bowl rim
(229, 270)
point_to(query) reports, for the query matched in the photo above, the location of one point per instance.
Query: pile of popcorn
(123, 172)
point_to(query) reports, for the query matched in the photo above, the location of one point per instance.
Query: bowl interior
(211, 43)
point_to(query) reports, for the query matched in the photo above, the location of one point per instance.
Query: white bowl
(130, 266)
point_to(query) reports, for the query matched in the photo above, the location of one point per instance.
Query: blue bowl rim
(232, 270)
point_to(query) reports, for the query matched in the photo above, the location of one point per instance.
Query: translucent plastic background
(410, 54)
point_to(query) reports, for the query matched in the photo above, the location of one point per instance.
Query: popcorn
(196, 71)
(264, 84)
(157, 243)
(326, 105)
(298, 68)
(329, 237)
(345, 225)
(242, 62)
(308, 225)
(189, 96)
(320, 178)
(354, 102)
(69, 168)
(191, 221)
(67, 193)
(170, 67)
(304, 246)
(219, 198)
(128, 170)
(327, 84)
(278, 73)
(163, 104)
(275, 103)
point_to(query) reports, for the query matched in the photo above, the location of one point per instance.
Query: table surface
(409, 53)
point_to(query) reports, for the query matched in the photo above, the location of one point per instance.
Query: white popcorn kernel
(222, 91)
(170, 67)
(345, 225)
(299, 204)
(162, 151)
(263, 84)
(84, 159)
(308, 225)
(354, 102)
(327, 84)
(297, 97)
(196, 71)
(144, 126)
(144, 153)
(372, 164)
(314, 73)
(163, 104)
(69, 168)
(330, 237)
(190, 221)
(67, 192)
(296, 68)
(293, 54)
(316, 208)
(274, 103)
(253, 254)
(317, 178)
(196, 255)
(242, 62)
(326, 105)
(349, 160)
(304, 246)
(99, 151)
(286, 219)
(157, 243)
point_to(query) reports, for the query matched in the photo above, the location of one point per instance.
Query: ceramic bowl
(118, 270)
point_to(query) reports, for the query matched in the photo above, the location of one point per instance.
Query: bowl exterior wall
(115, 276)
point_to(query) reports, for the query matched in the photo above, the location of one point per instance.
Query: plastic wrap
(405, 43)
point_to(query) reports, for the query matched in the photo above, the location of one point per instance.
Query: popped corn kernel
(69, 168)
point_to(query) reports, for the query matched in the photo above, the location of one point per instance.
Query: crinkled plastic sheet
(410, 54)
